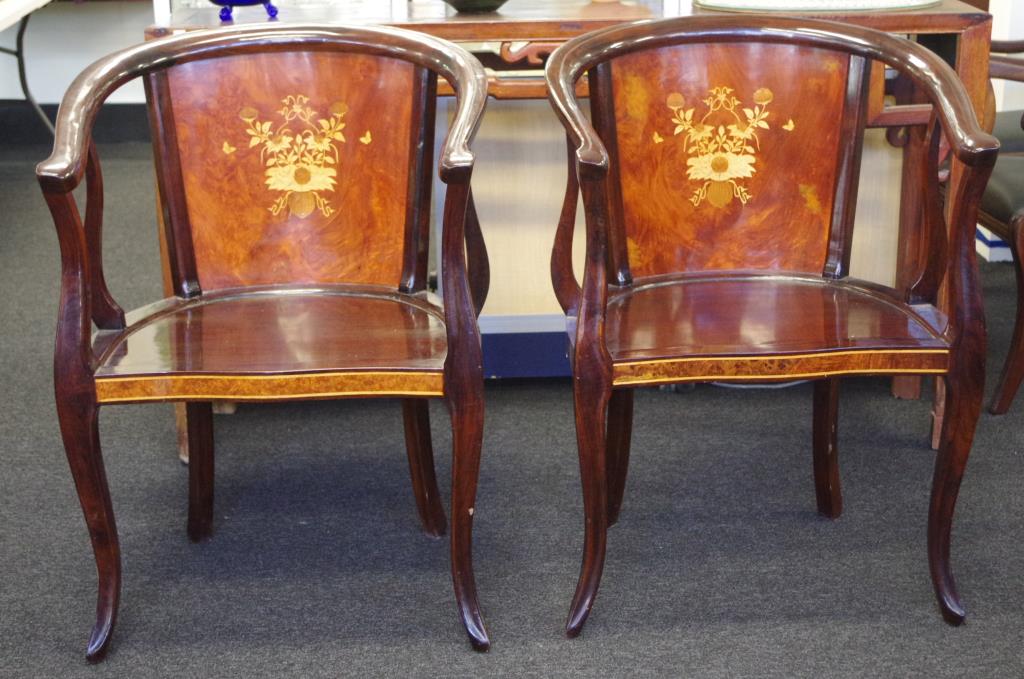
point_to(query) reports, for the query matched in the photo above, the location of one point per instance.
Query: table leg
(19, 53)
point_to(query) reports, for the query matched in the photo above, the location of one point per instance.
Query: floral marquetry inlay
(722, 143)
(299, 153)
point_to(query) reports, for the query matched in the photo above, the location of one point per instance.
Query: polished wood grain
(296, 251)
(785, 224)
(237, 239)
(753, 328)
(275, 331)
(670, 294)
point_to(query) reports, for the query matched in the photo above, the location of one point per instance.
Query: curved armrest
(1007, 46)
(63, 170)
(563, 71)
(467, 77)
(1006, 68)
(969, 142)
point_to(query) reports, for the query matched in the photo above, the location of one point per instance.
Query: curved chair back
(290, 154)
(730, 143)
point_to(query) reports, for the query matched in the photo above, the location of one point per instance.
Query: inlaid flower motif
(299, 153)
(722, 144)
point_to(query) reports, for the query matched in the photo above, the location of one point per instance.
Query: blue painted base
(526, 354)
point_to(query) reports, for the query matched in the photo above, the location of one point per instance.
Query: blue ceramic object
(227, 5)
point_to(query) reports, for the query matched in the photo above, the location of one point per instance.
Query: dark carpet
(719, 567)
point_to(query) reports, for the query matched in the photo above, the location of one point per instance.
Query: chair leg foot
(620, 429)
(199, 427)
(963, 405)
(467, 438)
(591, 414)
(416, 416)
(79, 426)
(827, 488)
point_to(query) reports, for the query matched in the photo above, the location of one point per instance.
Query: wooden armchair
(1002, 211)
(719, 179)
(294, 166)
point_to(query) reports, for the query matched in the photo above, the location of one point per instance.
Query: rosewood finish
(294, 170)
(718, 171)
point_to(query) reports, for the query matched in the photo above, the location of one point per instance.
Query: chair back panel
(295, 166)
(728, 155)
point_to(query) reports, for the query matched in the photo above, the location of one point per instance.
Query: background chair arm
(1007, 46)
(1006, 68)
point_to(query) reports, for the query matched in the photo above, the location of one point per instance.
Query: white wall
(1008, 24)
(63, 38)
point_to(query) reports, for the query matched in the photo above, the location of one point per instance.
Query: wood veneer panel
(756, 316)
(764, 203)
(269, 166)
(273, 334)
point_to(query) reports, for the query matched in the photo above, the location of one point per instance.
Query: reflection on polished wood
(294, 165)
(719, 173)
(755, 328)
(272, 344)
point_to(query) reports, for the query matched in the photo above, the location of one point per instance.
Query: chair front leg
(416, 416)
(79, 427)
(467, 437)
(964, 394)
(591, 403)
(620, 430)
(464, 390)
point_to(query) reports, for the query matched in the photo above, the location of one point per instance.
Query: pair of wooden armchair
(719, 177)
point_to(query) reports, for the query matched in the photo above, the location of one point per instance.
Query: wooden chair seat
(276, 343)
(736, 326)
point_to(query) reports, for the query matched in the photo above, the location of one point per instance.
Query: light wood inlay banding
(780, 367)
(267, 387)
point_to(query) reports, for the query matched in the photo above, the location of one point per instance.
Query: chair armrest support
(73, 356)
(105, 311)
(1007, 46)
(463, 365)
(1006, 68)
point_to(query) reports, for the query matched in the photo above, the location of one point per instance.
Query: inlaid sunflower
(298, 153)
(723, 145)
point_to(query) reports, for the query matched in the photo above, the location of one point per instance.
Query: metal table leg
(19, 53)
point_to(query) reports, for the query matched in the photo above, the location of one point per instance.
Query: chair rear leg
(416, 415)
(963, 405)
(620, 430)
(591, 415)
(79, 428)
(827, 488)
(199, 427)
(467, 438)
(1013, 370)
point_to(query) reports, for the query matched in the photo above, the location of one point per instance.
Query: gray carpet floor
(720, 566)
